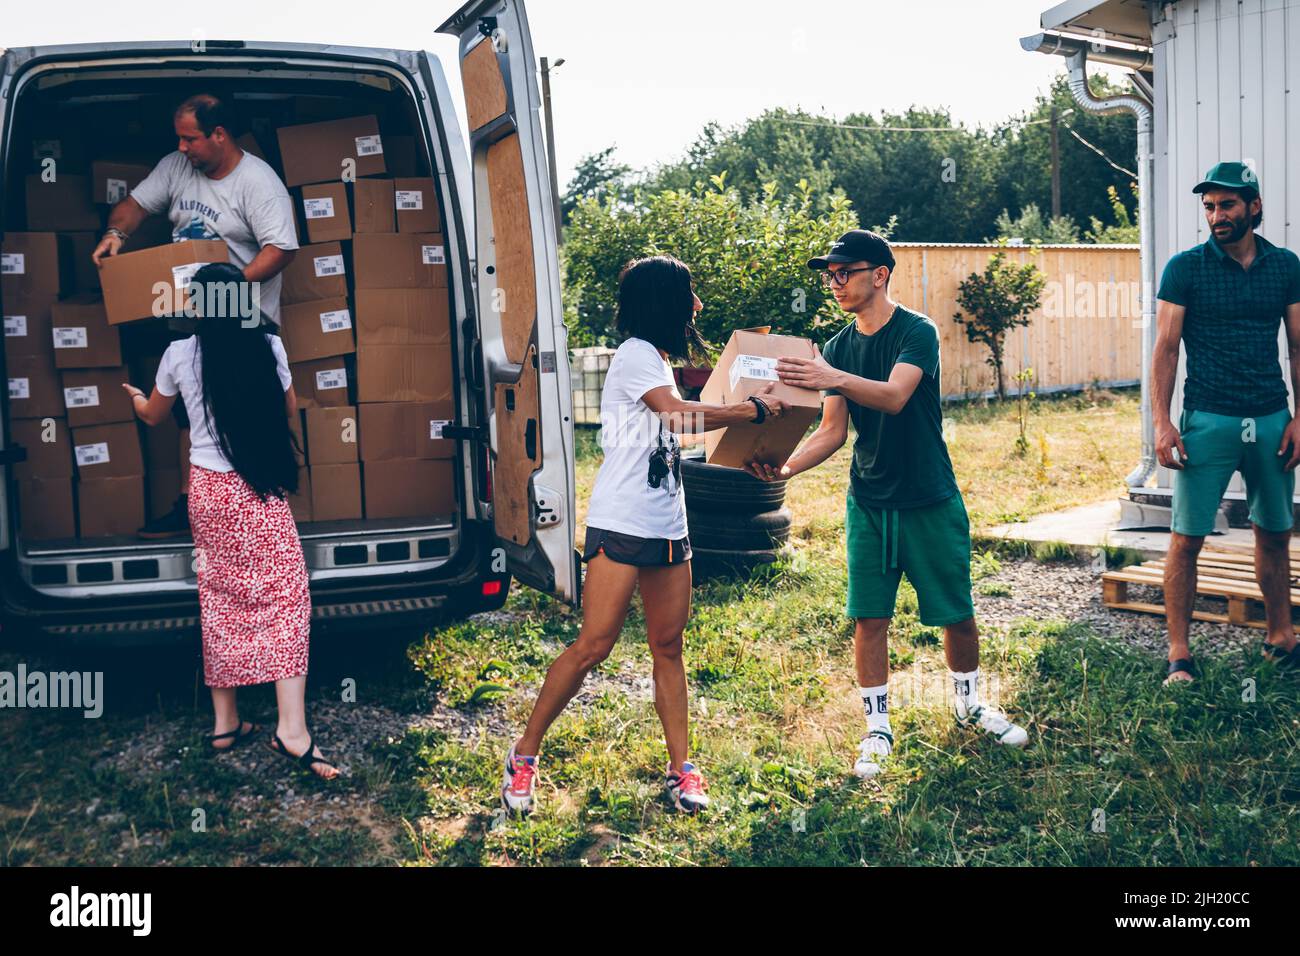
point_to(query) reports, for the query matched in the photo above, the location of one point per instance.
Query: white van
(514, 473)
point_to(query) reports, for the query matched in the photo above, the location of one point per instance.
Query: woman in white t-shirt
(636, 521)
(254, 602)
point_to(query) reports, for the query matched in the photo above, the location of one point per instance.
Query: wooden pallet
(1226, 572)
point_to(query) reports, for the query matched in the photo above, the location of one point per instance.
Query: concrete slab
(1091, 526)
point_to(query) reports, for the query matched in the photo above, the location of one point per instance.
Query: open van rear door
(520, 316)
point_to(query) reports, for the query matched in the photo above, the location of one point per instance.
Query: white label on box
(331, 378)
(47, 149)
(181, 275)
(20, 388)
(410, 199)
(96, 454)
(16, 326)
(116, 190)
(370, 145)
(13, 263)
(322, 208)
(81, 396)
(328, 266)
(433, 255)
(435, 428)
(71, 338)
(753, 366)
(335, 321)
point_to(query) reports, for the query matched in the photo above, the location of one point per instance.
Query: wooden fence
(1087, 330)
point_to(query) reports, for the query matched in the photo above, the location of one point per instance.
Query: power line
(1114, 165)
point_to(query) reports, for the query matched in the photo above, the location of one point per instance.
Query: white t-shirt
(247, 209)
(181, 369)
(623, 500)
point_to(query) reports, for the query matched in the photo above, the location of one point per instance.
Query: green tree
(749, 257)
(596, 176)
(1032, 227)
(1000, 299)
(1123, 229)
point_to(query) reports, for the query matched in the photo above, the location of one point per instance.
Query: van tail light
(485, 475)
(491, 588)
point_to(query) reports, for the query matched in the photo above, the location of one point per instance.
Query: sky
(646, 78)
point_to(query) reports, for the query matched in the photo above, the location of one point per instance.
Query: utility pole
(547, 67)
(1056, 165)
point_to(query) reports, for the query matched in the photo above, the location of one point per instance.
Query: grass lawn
(1119, 770)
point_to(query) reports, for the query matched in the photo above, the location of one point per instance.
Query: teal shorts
(1217, 446)
(931, 545)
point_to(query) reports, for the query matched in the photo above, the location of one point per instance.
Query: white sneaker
(873, 750)
(517, 786)
(993, 722)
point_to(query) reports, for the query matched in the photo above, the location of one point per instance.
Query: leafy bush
(749, 258)
(1001, 298)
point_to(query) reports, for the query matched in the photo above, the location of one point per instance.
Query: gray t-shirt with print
(247, 209)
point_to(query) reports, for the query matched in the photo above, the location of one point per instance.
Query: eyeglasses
(840, 277)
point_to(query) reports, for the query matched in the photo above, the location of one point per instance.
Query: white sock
(965, 687)
(875, 704)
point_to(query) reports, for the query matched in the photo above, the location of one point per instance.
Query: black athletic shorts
(640, 552)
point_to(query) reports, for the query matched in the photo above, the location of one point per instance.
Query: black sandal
(234, 736)
(1281, 658)
(1183, 665)
(305, 760)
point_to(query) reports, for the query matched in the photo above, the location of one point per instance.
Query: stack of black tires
(737, 522)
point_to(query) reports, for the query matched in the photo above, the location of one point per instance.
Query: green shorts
(931, 545)
(1217, 446)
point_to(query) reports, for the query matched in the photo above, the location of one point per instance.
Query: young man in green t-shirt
(904, 513)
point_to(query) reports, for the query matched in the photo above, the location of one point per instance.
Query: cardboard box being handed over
(746, 367)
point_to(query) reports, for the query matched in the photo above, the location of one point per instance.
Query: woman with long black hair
(636, 522)
(255, 606)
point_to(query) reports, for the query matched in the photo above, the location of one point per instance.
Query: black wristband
(762, 409)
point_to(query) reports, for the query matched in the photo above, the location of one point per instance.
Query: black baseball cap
(860, 245)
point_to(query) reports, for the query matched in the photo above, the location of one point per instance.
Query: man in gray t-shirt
(211, 189)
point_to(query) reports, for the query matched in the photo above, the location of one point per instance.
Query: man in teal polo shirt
(904, 513)
(1224, 301)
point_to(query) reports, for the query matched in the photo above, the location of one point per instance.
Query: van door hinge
(549, 509)
(477, 433)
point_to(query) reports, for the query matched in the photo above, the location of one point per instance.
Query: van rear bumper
(454, 590)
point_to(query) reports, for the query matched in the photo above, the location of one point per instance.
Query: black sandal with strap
(1281, 658)
(234, 736)
(1183, 665)
(305, 760)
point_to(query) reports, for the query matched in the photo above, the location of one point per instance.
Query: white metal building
(1221, 79)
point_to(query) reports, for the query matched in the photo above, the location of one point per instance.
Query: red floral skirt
(254, 600)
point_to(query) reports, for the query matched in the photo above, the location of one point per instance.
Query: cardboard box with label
(35, 264)
(746, 366)
(335, 492)
(316, 152)
(331, 435)
(315, 330)
(49, 447)
(316, 272)
(395, 430)
(95, 396)
(325, 211)
(373, 206)
(81, 334)
(324, 382)
(34, 387)
(403, 317)
(403, 373)
(61, 204)
(409, 488)
(27, 324)
(399, 261)
(107, 451)
(45, 508)
(154, 282)
(111, 182)
(416, 203)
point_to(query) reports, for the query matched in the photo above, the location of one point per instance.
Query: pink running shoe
(517, 786)
(686, 789)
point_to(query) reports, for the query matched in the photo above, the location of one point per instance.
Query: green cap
(1230, 176)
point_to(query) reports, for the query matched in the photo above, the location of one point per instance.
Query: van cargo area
(368, 317)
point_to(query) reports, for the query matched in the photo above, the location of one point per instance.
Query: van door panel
(517, 305)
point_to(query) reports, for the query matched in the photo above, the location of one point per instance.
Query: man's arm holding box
(829, 438)
(888, 397)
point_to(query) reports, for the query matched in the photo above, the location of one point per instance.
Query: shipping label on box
(332, 378)
(15, 326)
(317, 152)
(399, 261)
(370, 145)
(322, 208)
(71, 338)
(417, 205)
(317, 272)
(81, 396)
(96, 453)
(759, 367)
(325, 210)
(35, 264)
(20, 388)
(108, 451)
(409, 199)
(13, 264)
(82, 336)
(316, 330)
